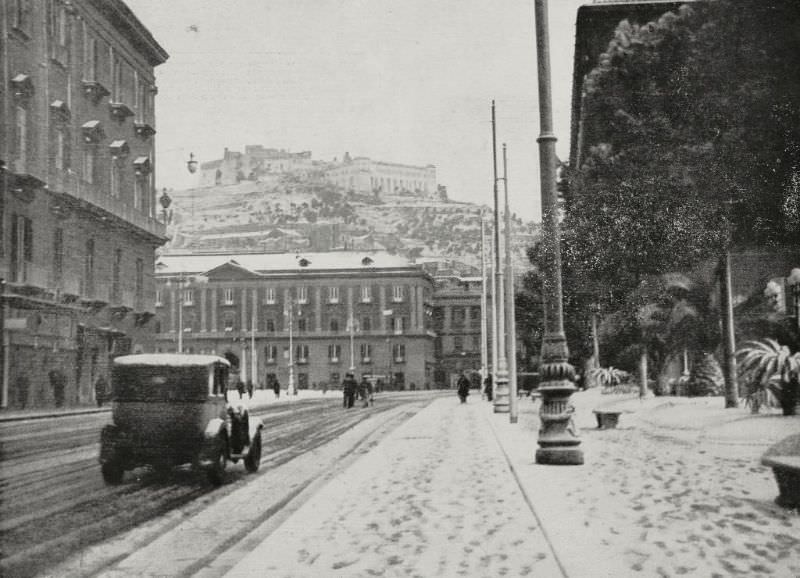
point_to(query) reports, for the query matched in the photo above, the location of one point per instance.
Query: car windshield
(149, 383)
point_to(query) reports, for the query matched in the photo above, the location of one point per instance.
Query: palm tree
(773, 370)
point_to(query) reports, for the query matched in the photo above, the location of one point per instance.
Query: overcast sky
(407, 81)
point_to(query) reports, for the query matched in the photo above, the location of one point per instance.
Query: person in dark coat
(100, 390)
(250, 389)
(349, 387)
(240, 387)
(487, 387)
(365, 391)
(276, 387)
(462, 386)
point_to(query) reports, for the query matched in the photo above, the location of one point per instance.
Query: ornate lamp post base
(502, 401)
(558, 439)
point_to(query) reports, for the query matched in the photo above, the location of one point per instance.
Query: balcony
(91, 193)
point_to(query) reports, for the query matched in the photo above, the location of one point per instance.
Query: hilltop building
(380, 314)
(78, 228)
(255, 162)
(367, 177)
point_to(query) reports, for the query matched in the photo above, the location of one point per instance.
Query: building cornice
(126, 22)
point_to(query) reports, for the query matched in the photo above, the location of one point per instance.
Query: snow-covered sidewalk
(676, 490)
(435, 498)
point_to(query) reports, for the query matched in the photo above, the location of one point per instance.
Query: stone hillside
(291, 212)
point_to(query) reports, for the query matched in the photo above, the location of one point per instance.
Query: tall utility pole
(290, 314)
(253, 356)
(511, 343)
(351, 327)
(501, 373)
(558, 439)
(484, 324)
(180, 313)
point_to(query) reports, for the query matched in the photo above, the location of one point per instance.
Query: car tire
(253, 459)
(216, 471)
(112, 472)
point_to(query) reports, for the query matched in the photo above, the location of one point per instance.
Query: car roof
(171, 359)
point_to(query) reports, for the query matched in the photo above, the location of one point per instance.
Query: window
(398, 293)
(459, 316)
(58, 32)
(334, 325)
(399, 352)
(141, 191)
(88, 269)
(366, 294)
(333, 294)
(270, 298)
(458, 343)
(89, 58)
(60, 152)
(21, 161)
(366, 352)
(398, 324)
(301, 324)
(476, 343)
(270, 325)
(228, 296)
(301, 353)
(115, 178)
(159, 298)
(302, 294)
(19, 13)
(139, 291)
(21, 248)
(270, 353)
(366, 323)
(188, 297)
(58, 256)
(228, 322)
(334, 353)
(116, 268)
(89, 157)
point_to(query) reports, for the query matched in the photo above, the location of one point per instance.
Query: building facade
(78, 227)
(256, 161)
(320, 314)
(368, 177)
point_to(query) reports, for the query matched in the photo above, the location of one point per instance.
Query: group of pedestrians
(352, 389)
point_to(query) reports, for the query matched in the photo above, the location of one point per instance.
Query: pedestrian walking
(250, 389)
(349, 387)
(487, 387)
(462, 386)
(364, 391)
(276, 387)
(240, 387)
(100, 390)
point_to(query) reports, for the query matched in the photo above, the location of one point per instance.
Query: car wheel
(216, 472)
(253, 459)
(112, 472)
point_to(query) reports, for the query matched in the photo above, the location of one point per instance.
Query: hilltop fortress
(359, 175)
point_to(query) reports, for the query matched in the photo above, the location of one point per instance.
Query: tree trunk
(643, 372)
(728, 336)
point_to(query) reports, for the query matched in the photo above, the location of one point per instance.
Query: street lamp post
(793, 283)
(511, 343)
(558, 440)
(501, 397)
(484, 324)
(290, 313)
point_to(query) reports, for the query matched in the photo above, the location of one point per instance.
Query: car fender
(112, 443)
(256, 425)
(215, 429)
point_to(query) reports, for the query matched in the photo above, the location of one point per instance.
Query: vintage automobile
(172, 409)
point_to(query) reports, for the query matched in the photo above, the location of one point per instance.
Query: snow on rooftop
(171, 359)
(281, 262)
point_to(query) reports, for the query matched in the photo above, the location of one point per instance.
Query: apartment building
(78, 227)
